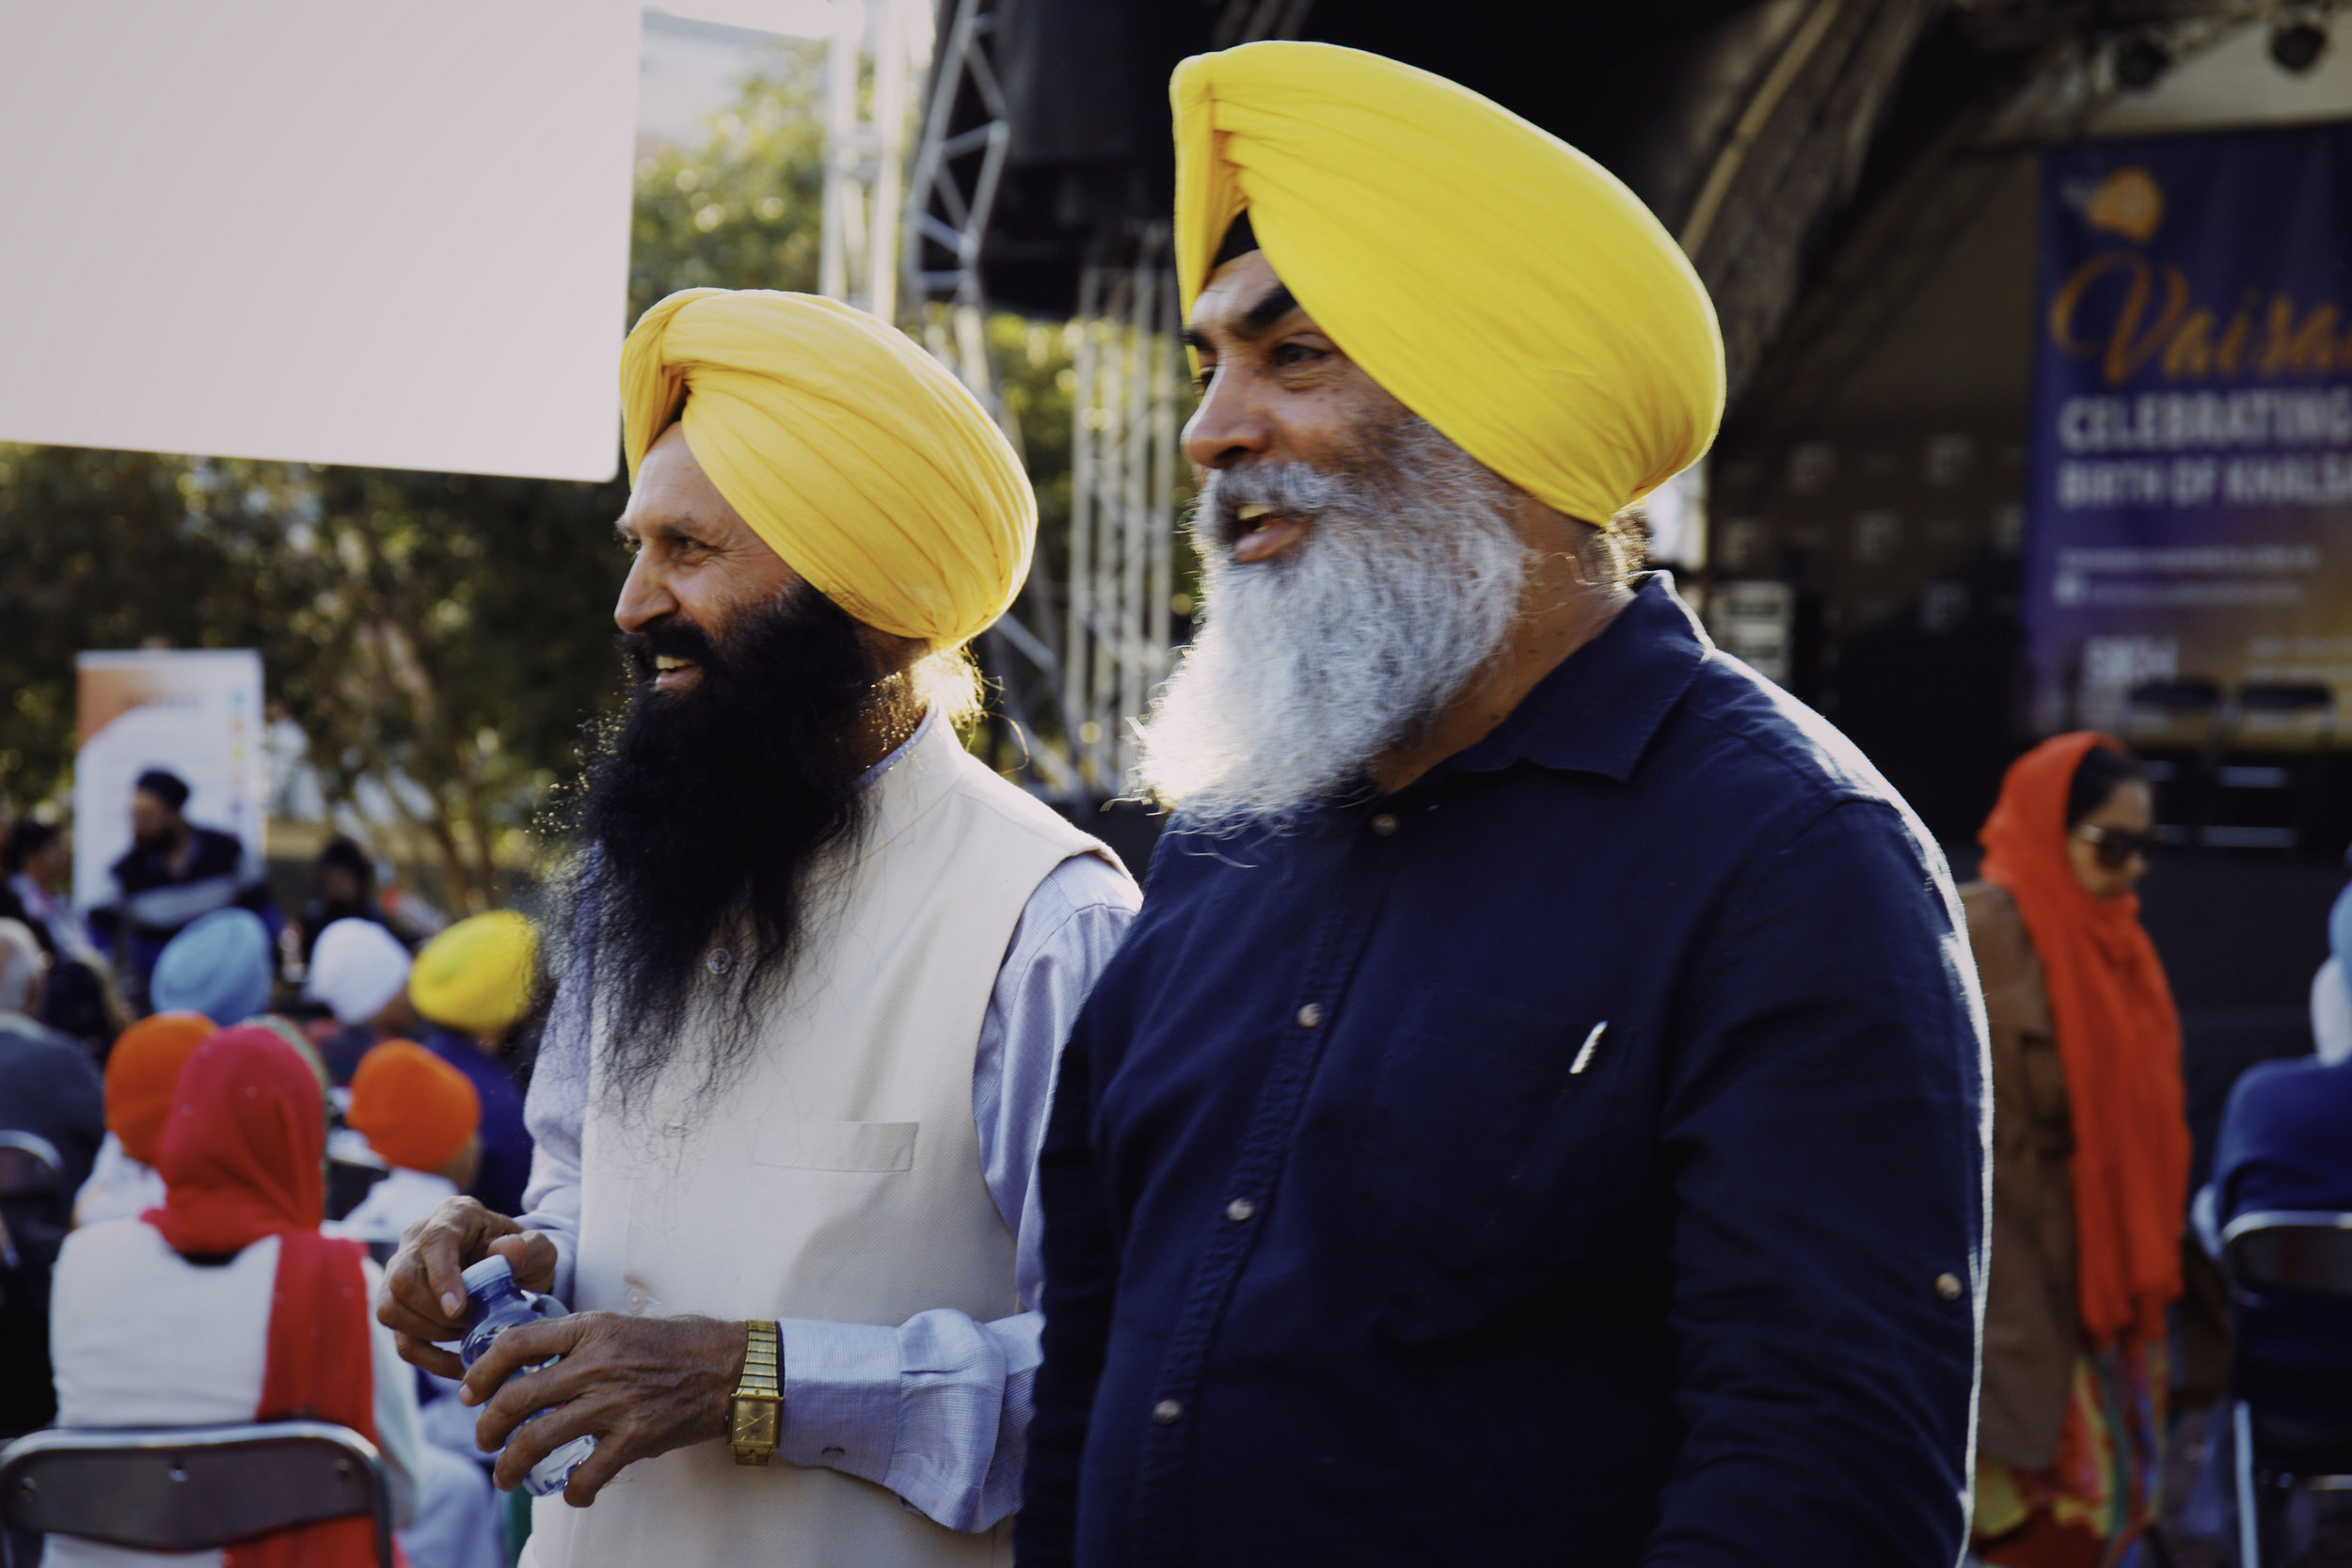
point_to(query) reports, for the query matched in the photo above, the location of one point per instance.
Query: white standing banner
(196, 713)
(388, 235)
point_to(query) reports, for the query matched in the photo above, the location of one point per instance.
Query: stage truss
(1121, 578)
(1076, 660)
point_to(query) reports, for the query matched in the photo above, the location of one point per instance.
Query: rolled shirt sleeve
(1813, 1274)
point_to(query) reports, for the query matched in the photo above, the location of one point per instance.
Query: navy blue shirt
(2282, 1146)
(2282, 1142)
(1577, 1156)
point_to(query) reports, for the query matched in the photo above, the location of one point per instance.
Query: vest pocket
(842, 1146)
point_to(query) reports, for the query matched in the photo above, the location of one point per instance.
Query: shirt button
(633, 1298)
(1240, 1210)
(1949, 1286)
(1167, 1412)
(720, 960)
(1311, 1015)
(834, 1453)
(1383, 825)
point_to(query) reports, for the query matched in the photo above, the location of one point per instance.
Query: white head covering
(2331, 1013)
(357, 969)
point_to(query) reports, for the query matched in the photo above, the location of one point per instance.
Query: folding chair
(2290, 1276)
(30, 1165)
(188, 1489)
(29, 1169)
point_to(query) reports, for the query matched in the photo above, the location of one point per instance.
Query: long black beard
(704, 816)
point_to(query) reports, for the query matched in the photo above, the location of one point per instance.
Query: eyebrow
(1277, 303)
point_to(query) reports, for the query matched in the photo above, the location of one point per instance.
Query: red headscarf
(2119, 1040)
(243, 1157)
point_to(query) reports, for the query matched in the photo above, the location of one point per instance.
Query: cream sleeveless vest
(837, 1178)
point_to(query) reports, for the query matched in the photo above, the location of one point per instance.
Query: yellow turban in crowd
(1497, 281)
(851, 452)
(476, 977)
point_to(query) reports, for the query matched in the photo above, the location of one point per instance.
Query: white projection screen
(389, 235)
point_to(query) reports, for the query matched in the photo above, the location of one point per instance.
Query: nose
(1228, 427)
(646, 596)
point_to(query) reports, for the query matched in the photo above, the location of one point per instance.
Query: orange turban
(141, 1072)
(415, 1109)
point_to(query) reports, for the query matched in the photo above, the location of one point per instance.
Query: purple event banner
(2189, 515)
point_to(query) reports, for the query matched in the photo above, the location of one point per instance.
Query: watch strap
(755, 1412)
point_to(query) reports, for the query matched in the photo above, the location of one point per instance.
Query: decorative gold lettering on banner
(2292, 350)
(2180, 336)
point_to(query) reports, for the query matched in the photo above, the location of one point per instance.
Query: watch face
(753, 1422)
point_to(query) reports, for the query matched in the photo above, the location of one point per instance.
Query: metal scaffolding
(1122, 507)
(949, 198)
(865, 154)
(1076, 660)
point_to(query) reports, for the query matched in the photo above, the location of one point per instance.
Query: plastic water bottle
(494, 1304)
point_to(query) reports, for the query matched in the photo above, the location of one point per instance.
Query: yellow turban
(851, 452)
(476, 977)
(1501, 284)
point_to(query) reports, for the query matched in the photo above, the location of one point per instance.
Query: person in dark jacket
(1538, 1114)
(175, 873)
(2286, 1137)
(50, 1090)
(473, 984)
(343, 888)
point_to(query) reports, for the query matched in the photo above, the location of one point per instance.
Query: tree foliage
(441, 640)
(743, 209)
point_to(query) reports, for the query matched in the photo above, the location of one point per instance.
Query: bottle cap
(493, 1269)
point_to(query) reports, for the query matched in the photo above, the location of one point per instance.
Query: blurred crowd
(395, 1079)
(185, 1099)
(190, 1086)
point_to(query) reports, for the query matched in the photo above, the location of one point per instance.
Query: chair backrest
(2193, 695)
(2284, 716)
(29, 1166)
(348, 1182)
(186, 1489)
(2178, 713)
(2291, 1249)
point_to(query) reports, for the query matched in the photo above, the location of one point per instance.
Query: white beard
(1305, 668)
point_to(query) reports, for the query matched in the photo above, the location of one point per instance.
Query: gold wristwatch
(756, 1409)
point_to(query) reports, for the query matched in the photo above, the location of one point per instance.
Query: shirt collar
(865, 780)
(1597, 712)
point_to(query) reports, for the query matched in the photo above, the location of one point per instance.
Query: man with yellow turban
(1537, 1117)
(820, 965)
(474, 983)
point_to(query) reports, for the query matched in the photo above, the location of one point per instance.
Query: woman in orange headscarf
(2091, 1154)
(224, 1303)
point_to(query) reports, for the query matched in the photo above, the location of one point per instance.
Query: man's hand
(642, 1385)
(424, 1295)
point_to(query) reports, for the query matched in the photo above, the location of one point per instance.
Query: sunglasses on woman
(2113, 847)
